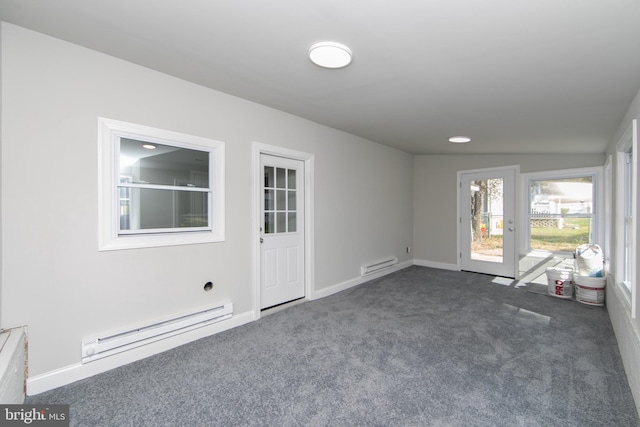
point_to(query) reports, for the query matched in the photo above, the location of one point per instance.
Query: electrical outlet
(408, 249)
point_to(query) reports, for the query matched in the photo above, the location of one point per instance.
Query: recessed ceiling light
(459, 139)
(330, 55)
(149, 146)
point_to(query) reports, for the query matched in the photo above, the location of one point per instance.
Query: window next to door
(158, 188)
(562, 210)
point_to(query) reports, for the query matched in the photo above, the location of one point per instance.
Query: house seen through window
(562, 214)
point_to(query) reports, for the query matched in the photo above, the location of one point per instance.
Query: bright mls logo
(34, 415)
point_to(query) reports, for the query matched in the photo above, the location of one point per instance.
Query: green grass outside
(564, 239)
(574, 233)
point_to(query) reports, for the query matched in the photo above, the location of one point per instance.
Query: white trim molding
(343, 286)
(110, 237)
(434, 264)
(510, 259)
(628, 337)
(78, 371)
(629, 290)
(308, 159)
(598, 203)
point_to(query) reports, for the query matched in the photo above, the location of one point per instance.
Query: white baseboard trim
(433, 264)
(628, 337)
(72, 373)
(325, 292)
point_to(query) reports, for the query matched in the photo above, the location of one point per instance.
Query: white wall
(55, 280)
(626, 328)
(435, 193)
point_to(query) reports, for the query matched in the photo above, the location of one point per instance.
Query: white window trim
(109, 132)
(629, 291)
(608, 213)
(525, 211)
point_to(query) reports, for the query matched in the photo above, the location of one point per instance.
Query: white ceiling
(517, 76)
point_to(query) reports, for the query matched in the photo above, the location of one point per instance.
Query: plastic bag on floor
(589, 261)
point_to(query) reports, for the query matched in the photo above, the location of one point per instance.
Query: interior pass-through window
(159, 188)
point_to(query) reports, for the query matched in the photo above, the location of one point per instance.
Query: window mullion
(165, 187)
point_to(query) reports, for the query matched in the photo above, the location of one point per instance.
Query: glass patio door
(487, 222)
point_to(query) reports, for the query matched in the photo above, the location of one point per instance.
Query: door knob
(511, 228)
(261, 240)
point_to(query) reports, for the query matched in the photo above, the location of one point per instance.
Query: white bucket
(560, 282)
(590, 290)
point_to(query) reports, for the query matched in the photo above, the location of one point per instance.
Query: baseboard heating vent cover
(109, 344)
(377, 266)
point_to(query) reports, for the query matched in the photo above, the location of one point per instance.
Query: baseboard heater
(109, 344)
(377, 266)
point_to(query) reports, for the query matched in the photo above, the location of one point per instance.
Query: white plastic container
(590, 290)
(560, 282)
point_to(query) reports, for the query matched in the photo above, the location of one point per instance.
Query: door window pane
(293, 222)
(269, 202)
(280, 204)
(282, 222)
(269, 177)
(269, 222)
(291, 184)
(292, 200)
(281, 178)
(487, 221)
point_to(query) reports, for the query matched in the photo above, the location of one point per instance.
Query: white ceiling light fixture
(330, 55)
(459, 139)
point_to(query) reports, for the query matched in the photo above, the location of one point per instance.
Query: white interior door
(487, 222)
(282, 231)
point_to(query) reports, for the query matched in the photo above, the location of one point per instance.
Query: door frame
(258, 149)
(516, 233)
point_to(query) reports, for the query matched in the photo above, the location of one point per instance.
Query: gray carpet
(420, 347)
